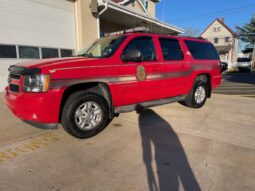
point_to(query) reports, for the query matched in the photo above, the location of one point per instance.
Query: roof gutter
(109, 4)
(102, 3)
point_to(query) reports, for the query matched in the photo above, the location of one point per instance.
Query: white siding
(42, 23)
(36, 22)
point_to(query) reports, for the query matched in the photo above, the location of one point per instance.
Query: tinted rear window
(202, 50)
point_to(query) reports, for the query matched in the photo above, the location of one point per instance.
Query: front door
(144, 86)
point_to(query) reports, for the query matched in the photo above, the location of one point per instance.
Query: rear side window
(145, 45)
(171, 49)
(8, 51)
(202, 50)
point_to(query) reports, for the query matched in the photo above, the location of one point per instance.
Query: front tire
(198, 95)
(85, 114)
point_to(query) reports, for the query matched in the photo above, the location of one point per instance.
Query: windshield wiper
(87, 55)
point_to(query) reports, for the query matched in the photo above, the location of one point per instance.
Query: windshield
(103, 47)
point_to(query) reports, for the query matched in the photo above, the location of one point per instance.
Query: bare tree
(191, 31)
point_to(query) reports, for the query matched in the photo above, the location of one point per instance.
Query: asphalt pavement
(242, 84)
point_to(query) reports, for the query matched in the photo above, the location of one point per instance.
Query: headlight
(36, 83)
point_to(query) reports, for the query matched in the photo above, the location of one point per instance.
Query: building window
(216, 40)
(217, 29)
(28, 52)
(8, 51)
(226, 39)
(49, 53)
(145, 3)
(171, 49)
(66, 53)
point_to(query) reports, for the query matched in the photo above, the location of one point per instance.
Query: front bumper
(39, 109)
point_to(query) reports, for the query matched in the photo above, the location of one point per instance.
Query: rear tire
(85, 114)
(197, 96)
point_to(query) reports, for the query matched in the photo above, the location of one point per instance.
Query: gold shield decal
(140, 73)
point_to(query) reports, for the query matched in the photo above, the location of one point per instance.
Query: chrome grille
(15, 76)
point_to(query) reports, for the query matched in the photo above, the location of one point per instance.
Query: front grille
(14, 87)
(15, 76)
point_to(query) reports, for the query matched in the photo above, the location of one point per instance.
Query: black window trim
(143, 37)
(175, 39)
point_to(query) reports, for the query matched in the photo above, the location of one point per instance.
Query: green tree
(247, 32)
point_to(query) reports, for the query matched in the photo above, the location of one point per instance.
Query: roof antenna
(163, 17)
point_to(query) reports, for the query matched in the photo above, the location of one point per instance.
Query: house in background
(33, 29)
(224, 39)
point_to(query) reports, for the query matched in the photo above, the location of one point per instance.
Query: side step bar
(143, 105)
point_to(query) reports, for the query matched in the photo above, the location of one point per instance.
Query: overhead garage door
(35, 27)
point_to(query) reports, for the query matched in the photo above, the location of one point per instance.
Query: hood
(45, 63)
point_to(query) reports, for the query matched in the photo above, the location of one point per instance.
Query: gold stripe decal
(140, 75)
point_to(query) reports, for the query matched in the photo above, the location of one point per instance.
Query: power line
(215, 12)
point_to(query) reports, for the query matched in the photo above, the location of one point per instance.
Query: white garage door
(34, 29)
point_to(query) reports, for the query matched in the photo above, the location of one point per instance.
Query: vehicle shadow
(245, 78)
(172, 165)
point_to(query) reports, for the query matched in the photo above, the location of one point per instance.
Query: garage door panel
(51, 23)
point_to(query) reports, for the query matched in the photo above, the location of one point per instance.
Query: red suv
(115, 74)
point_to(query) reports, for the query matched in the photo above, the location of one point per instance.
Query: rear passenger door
(175, 68)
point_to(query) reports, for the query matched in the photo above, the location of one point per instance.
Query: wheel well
(207, 79)
(97, 87)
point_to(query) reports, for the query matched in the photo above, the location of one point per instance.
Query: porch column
(87, 25)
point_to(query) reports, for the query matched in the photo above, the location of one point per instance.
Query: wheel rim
(88, 115)
(200, 94)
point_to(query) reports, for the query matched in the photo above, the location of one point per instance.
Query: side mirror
(133, 55)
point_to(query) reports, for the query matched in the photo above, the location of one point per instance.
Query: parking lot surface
(170, 147)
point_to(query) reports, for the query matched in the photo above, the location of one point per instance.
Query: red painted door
(176, 68)
(144, 85)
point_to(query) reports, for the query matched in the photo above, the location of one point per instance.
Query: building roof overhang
(115, 13)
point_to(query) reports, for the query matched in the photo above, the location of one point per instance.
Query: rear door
(144, 87)
(176, 68)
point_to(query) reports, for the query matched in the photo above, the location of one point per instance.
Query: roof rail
(132, 30)
(192, 37)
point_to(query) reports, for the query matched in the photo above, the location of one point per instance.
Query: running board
(143, 105)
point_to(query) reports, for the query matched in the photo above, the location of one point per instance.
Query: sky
(199, 14)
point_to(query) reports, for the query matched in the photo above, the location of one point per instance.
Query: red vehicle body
(119, 82)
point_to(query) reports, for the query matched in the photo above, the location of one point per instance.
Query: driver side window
(145, 45)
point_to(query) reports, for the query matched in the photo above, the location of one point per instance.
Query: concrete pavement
(170, 147)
